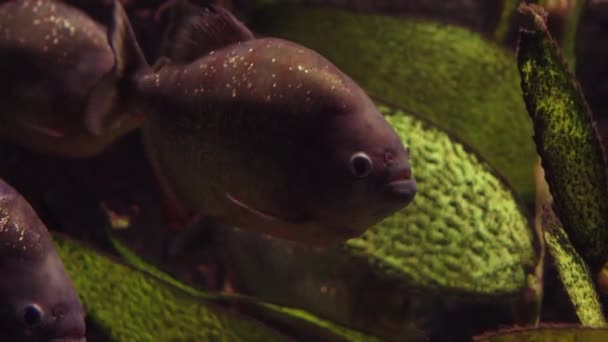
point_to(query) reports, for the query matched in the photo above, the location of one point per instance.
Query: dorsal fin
(206, 30)
(106, 98)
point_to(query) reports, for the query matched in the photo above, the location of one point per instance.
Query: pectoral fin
(261, 214)
(40, 129)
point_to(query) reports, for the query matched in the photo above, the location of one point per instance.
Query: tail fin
(107, 99)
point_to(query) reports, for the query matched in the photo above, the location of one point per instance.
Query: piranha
(37, 299)
(263, 133)
(60, 92)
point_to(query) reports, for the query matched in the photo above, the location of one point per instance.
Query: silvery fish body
(37, 299)
(59, 92)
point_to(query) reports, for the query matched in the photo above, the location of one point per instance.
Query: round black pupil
(361, 165)
(32, 315)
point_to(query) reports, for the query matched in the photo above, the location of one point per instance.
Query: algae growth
(288, 316)
(553, 333)
(567, 141)
(573, 273)
(464, 232)
(130, 306)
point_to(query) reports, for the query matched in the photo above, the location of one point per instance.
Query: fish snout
(402, 185)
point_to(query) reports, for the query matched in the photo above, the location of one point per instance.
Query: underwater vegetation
(299, 170)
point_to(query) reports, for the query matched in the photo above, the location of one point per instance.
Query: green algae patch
(449, 75)
(308, 324)
(464, 230)
(130, 306)
(463, 234)
(567, 141)
(548, 333)
(573, 272)
(300, 320)
(569, 14)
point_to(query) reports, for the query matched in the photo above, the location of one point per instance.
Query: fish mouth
(77, 335)
(402, 185)
(69, 339)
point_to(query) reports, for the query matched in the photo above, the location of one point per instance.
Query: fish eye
(361, 165)
(32, 315)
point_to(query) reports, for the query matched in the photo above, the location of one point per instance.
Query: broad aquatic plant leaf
(573, 272)
(464, 233)
(131, 306)
(566, 16)
(449, 75)
(306, 322)
(548, 333)
(464, 216)
(567, 141)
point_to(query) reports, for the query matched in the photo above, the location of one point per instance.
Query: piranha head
(367, 169)
(37, 299)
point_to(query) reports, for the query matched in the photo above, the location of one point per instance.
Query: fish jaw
(76, 334)
(401, 185)
(403, 190)
(73, 328)
(69, 339)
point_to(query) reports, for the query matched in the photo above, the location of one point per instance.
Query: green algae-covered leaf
(304, 323)
(567, 141)
(131, 306)
(547, 333)
(464, 231)
(573, 272)
(447, 74)
(568, 14)
(301, 321)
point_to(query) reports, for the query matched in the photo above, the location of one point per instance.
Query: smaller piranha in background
(37, 299)
(60, 88)
(263, 133)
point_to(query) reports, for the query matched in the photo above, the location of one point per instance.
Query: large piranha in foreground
(264, 134)
(37, 299)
